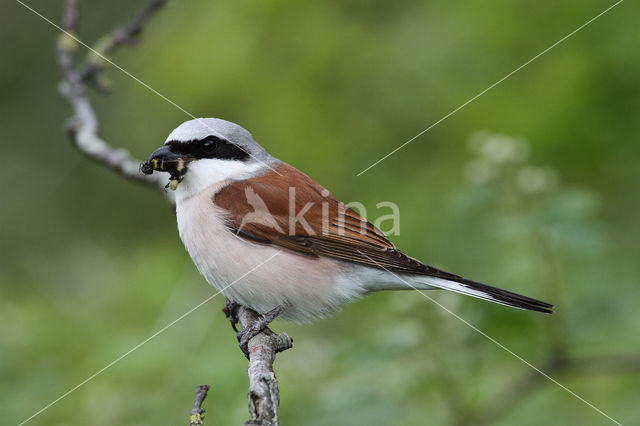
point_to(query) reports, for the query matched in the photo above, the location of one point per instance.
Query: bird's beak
(164, 159)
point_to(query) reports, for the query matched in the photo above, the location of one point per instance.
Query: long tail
(486, 292)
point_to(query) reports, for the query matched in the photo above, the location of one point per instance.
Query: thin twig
(196, 415)
(126, 34)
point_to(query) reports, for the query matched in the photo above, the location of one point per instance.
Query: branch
(196, 415)
(263, 396)
(127, 34)
(83, 126)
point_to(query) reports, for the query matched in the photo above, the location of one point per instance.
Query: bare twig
(70, 16)
(83, 127)
(263, 395)
(127, 34)
(196, 415)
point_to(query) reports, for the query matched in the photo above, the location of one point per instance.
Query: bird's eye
(208, 146)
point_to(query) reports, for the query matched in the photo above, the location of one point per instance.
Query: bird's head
(205, 151)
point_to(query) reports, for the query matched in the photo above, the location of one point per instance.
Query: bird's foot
(260, 325)
(231, 311)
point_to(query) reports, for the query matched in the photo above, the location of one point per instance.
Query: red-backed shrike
(237, 206)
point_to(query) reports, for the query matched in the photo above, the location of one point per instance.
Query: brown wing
(294, 212)
(290, 210)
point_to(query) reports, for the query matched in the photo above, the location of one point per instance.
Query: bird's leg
(231, 311)
(260, 325)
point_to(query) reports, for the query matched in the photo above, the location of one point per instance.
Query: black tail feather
(507, 297)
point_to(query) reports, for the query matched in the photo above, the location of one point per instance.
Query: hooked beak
(164, 159)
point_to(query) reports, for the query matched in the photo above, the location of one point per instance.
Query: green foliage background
(91, 265)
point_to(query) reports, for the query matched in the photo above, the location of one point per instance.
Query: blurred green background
(532, 187)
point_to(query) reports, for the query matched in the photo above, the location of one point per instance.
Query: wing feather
(326, 227)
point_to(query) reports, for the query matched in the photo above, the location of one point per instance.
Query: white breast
(206, 172)
(314, 286)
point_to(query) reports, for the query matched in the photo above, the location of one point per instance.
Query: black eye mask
(174, 156)
(209, 147)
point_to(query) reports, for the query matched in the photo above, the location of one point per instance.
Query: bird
(240, 209)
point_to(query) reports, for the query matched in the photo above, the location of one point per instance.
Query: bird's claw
(260, 325)
(231, 311)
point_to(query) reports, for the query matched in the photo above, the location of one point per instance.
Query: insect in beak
(164, 159)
